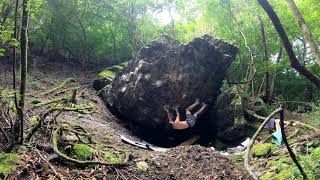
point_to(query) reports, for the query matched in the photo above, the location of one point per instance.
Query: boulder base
(169, 73)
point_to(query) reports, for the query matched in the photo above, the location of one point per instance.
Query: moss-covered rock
(7, 162)
(83, 152)
(106, 76)
(261, 150)
(230, 120)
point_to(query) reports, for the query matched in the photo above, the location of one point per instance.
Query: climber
(190, 118)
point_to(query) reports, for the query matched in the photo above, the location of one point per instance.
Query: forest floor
(188, 162)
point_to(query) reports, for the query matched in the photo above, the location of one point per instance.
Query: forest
(160, 89)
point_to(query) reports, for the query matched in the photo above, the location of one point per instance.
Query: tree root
(55, 140)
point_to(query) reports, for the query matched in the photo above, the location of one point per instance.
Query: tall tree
(23, 63)
(288, 46)
(266, 88)
(305, 30)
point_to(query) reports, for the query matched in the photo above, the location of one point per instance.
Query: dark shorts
(191, 120)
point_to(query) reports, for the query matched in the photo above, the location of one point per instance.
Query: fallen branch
(55, 139)
(49, 164)
(254, 137)
(60, 86)
(292, 155)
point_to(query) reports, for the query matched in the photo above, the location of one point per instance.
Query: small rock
(143, 166)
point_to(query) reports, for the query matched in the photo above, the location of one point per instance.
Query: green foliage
(83, 152)
(309, 162)
(7, 162)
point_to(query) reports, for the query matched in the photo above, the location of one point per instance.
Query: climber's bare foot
(204, 105)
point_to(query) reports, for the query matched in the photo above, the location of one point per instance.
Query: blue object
(191, 120)
(271, 123)
(277, 138)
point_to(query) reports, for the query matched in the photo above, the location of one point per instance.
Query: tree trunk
(173, 29)
(305, 30)
(114, 47)
(274, 74)
(286, 43)
(265, 94)
(23, 63)
(133, 17)
(15, 36)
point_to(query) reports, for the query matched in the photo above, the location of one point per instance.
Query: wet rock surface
(169, 73)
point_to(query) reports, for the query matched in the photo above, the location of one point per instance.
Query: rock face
(232, 121)
(167, 72)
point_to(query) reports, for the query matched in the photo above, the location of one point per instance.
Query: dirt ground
(190, 162)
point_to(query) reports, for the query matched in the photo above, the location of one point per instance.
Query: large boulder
(168, 73)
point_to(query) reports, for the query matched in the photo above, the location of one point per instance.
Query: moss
(261, 150)
(268, 176)
(34, 119)
(113, 156)
(7, 162)
(284, 175)
(83, 152)
(106, 74)
(239, 157)
(60, 86)
(142, 166)
(112, 71)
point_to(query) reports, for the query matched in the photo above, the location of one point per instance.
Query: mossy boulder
(261, 150)
(7, 162)
(230, 120)
(106, 76)
(83, 152)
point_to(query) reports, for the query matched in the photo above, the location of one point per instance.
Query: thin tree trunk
(114, 48)
(133, 29)
(23, 63)
(286, 43)
(173, 29)
(265, 94)
(15, 36)
(274, 74)
(305, 30)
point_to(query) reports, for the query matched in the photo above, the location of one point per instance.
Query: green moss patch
(268, 176)
(112, 71)
(106, 74)
(261, 150)
(83, 152)
(7, 162)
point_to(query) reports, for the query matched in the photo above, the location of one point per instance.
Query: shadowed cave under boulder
(166, 72)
